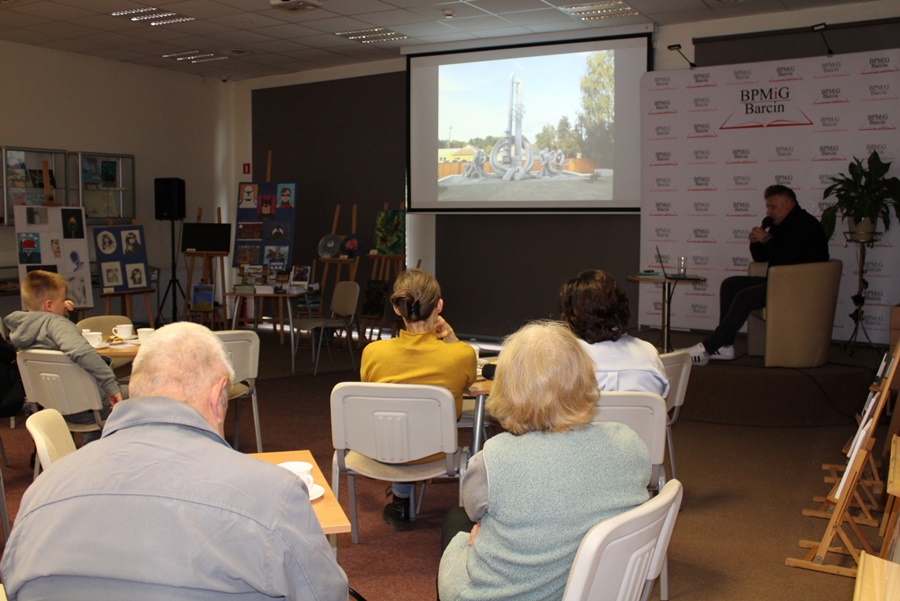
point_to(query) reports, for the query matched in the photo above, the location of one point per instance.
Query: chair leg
(4, 512)
(237, 424)
(671, 444)
(256, 420)
(319, 351)
(3, 454)
(354, 526)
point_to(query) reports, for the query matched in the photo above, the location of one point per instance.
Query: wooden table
(877, 579)
(283, 300)
(127, 350)
(668, 289)
(331, 516)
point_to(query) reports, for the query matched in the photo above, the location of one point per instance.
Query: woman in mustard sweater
(427, 352)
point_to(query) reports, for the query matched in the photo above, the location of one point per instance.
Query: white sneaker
(698, 354)
(725, 353)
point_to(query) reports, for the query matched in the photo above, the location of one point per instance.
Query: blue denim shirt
(162, 508)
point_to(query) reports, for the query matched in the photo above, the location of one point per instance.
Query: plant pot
(864, 231)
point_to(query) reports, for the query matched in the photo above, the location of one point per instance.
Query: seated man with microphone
(788, 235)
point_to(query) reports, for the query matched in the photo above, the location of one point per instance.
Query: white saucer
(101, 346)
(129, 338)
(316, 492)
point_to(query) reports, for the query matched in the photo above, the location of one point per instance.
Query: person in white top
(597, 311)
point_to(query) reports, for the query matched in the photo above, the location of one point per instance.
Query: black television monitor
(206, 237)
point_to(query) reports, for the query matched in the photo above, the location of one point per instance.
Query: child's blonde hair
(39, 286)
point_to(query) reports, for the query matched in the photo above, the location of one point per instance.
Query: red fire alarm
(247, 168)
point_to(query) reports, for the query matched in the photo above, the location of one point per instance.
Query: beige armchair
(794, 330)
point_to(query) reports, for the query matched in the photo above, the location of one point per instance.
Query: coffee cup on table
(143, 334)
(94, 338)
(123, 331)
(302, 470)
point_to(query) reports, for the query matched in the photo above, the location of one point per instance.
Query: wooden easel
(217, 316)
(338, 262)
(842, 524)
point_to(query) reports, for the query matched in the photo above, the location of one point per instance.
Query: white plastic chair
(54, 381)
(378, 428)
(619, 558)
(678, 371)
(243, 350)
(51, 435)
(645, 413)
(344, 302)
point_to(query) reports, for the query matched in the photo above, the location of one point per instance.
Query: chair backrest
(344, 299)
(646, 414)
(243, 350)
(393, 423)
(51, 435)
(51, 379)
(678, 371)
(103, 323)
(618, 556)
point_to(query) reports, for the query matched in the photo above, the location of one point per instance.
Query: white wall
(176, 125)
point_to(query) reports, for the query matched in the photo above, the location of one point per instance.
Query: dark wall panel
(343, 142)
(499, 271)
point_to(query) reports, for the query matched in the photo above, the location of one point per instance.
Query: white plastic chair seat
(365, 466)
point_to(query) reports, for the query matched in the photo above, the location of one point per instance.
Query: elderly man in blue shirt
(162, 508)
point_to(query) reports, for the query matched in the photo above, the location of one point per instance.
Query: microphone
(767, 223)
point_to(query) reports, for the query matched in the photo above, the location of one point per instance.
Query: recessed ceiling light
(599, 10)
(207, 60)
(177, 54)
(170, 21)
(133, 11)
(153, 16)
(371, 35)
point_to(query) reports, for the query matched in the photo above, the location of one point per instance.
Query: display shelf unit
(103, 183)
(23, 179)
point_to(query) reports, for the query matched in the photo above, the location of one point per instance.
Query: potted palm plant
(864, 197)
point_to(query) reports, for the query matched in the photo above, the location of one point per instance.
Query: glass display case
(103, 183)
(32, 177)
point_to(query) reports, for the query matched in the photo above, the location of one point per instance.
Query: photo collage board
(121, 258)
(264, 232)
(55, 239)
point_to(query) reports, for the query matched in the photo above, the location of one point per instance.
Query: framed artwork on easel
(264, 231)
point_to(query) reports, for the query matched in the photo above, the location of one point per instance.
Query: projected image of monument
(533, 128)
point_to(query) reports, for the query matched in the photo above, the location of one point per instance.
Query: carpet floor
(749, 447)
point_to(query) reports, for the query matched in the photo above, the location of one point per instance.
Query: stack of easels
(852, 497)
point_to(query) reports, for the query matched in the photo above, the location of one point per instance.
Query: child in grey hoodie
(45, 326)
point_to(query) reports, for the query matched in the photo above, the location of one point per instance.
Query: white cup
(302, 470)
(85, 332)
(123, 331)
(94, 338)
(143, 334)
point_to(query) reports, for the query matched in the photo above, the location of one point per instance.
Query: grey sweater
(49, 331)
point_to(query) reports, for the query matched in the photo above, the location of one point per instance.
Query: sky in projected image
(474, 97)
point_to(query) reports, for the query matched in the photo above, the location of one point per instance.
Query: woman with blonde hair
(426, 352)
(534, 491)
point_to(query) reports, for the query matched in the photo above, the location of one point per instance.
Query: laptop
(662, 266)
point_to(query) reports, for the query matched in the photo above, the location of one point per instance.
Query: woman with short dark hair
(597, 311)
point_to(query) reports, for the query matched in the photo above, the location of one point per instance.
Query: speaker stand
(173, 288)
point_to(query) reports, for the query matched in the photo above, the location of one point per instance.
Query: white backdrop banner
(715, 138)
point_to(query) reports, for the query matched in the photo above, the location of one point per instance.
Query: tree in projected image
(598, 103)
